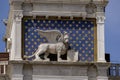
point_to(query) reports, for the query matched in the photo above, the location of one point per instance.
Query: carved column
(16, 40)
(100, 37)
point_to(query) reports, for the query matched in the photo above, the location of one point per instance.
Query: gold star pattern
(81, 35)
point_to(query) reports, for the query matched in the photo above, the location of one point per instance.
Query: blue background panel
(81, 35)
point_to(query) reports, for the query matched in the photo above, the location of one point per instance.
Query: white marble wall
(35, 70)
(70, 8)
(58, 71)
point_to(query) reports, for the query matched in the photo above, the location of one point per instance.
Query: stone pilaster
(100, 37)
(16, 35)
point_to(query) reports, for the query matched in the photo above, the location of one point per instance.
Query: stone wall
(114, 78)
(73, 8)
(4, 77)
(36, 70)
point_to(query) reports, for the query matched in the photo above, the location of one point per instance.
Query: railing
(114, 72)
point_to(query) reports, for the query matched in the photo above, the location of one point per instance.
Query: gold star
(79, 28)
(55, 21)
(44, 21)
(32, 46)
(70, 25)
(32, 40)
(83, 25)
(32, 21)
(77, 38)
(86, 55)
(67, 22)
(74, 41)
(29, 24)
(91, 22)
(29, 49)
(83, 38)
(28, 30)
(38, 21)
(26, 20)
(28, 36)
(80, 48)
(35, 36)
(71, 45)
(83, 45)
(86, 48)
(80, 35)
(85, 22)
(64, 25)
(49, 21)
(77, 32)
(88, 25)
(73, 22)
(32, 33)
(26, 46)
(38, 40)
(80, 55)
(89, 45)
(41, 24)
(29, 43)
(76, 25)
(35, 43)
(92, 28)
(86, 42)
(26, 53)
(79, 22)
(26, 39)
(77, 45)
(46, 24)
(83, 32)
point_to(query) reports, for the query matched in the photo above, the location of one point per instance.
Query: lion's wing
(51, 35)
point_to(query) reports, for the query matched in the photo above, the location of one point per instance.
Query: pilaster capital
(100, 19)
(18, 14)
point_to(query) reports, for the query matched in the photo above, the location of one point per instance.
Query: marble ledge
(59, 63)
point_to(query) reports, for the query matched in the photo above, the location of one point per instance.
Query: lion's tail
(25, 56)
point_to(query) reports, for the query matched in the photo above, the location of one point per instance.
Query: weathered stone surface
(4, 77)
(36, 70)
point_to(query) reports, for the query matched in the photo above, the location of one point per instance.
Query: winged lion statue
(57, 44)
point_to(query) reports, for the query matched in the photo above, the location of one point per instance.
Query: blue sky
(112, 28)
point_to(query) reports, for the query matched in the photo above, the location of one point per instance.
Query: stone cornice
(101, 2)
(66, 8)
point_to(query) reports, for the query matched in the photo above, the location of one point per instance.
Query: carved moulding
(91, 8)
